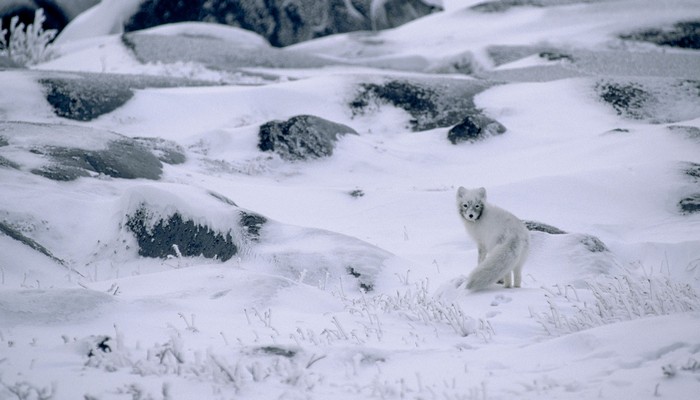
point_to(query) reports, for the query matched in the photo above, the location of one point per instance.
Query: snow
(284, 318)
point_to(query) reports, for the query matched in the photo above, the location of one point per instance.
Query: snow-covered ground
(284, 317)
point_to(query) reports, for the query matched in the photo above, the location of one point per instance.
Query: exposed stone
(175, 236)
(684, 35)
(692, 170)
(4, 162)
(542, 227)
(215, 54)
(124, 158)
(301, 137)
(690, 204)
(283, 22)
(84, 99)
(656, 100)
(473, 128)
(505, 5)
(84, 96)
(166, 151)
(20, 237)
(593, 244)
(628, 99)
(252, 223)
(431, 103)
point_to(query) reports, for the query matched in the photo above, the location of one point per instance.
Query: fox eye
(478, 206)
(465, 205)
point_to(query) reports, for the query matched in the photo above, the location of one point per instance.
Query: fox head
(471, 203)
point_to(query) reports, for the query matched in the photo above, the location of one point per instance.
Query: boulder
(690, 204)
(654, 100)
(590, 243)
(301, 137)
(474, 127)
(685, 35)
(214, 53)
(85, 96)
(283, 22)
(431, 103)
(10, 231)
(170, 220)
(505, 5)
(124, 158)
(64, 152)
(178, 236)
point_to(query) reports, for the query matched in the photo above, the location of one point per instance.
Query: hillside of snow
(188, 212)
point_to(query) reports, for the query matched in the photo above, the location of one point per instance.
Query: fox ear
(482, 192)
(461, 191)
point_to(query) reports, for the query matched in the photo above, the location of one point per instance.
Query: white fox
(502, 239)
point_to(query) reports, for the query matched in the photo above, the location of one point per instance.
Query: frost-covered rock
(301, 137)
(685, 35)
(690, 204)
(589, 242)
(283, 22)
(432, 103)
(86, 96)
(14, 233)
(504, 5)
(654, 100)
(65, 153)
(173, 222)
(473, 128)
(214, 53)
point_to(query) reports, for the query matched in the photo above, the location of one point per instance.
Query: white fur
(502, 239)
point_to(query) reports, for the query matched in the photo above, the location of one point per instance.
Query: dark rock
(63, 173)
(593, 244)
(277, 351)
(4, 142)
(556, 56)
(684, 35)
(619, 130)
(474, 128)
(302, 137)
(628, 99)
(252, 223)
(175, 236)
(692, 170)
(20, 237)
(124, 158)
(364, 285)
(4, 162)
(86, 96)
(282, 22)
(505, 5)
(431, 103)
(101, 344)
(223, 199)
(84, 100)
(541, 227)
(690, 204)
(166, 151)
(357, 193)
(653, 100)
(215, 54)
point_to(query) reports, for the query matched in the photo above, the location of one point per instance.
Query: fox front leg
(482, 253)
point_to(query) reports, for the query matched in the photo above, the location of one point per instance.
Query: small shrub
(615, 299)
(27, 45)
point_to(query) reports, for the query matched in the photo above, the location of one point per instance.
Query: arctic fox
(502, 239)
